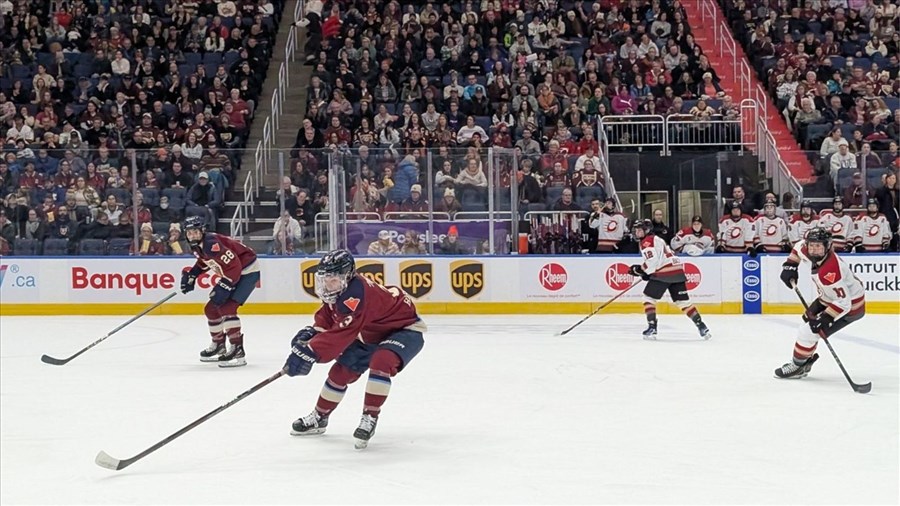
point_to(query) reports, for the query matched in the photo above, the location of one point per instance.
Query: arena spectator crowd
(108, 109)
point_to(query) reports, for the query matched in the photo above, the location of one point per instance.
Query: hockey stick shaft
(104, 460)
(599, 308)
(863, 389)
(63, 361)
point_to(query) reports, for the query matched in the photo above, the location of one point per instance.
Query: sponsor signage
(553, 277)
(466, 278)
(373, 271)
(308, 277)
(751, 288)
(416, 277)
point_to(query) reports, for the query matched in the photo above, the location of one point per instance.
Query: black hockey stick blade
(610, 301)
(862, 389)
(104, 460)
(47, 359)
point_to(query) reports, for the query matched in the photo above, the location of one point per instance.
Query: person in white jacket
(286, 235)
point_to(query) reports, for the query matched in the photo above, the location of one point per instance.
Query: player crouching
(365, 327)
(662, 271)
(841, 299)
(238, 270)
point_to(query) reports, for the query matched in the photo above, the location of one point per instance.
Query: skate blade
(360, 444)
(214, 358)
(707, 336)
(795, 377)
(238, 362)
(313, 432)
(650, 337)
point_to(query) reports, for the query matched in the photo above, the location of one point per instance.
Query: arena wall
(727, 284)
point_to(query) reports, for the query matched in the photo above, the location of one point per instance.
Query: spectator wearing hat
(450, 245)
(448, 203)
(176, 244)
(694, 240)
(205, 194)
(415, 203)
(855, 195)
(383, 245)
(147, 243)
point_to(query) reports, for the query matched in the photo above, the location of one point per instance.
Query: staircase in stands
(709, 36)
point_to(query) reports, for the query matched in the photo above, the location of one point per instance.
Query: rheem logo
(553, 277)
(692, 273)
(416, 277)
(617, 276)
(466, 278)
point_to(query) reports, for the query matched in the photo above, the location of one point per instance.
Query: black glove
(304, 335)
(637, 270)
(301, 359)
(885, 246)
(860, 248)
(221, 292)
(789, 274)
(786, 247)
(820, 321)
(188, 278)
(760, 249)
(720, 248)
(751, 252)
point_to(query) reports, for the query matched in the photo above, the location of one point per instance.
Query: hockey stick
(104, 460)
(610, 301)
(47, 359)
(862, 389)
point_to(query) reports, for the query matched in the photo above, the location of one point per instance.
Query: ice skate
(213, 352)
(650, 333)
(704, 331)
(310, 425)
(791, 370)
(234, 357)
(365, 431)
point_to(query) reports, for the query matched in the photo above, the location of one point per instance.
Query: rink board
(728, 284)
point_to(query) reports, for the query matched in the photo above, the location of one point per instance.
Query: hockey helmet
(735, 205)
(194, 223)
(769, 208)
(821, 236)
(872, 202)
(333, 274)
(837, 204)
(645, 225)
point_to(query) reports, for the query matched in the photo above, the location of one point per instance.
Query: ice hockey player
(771, 232)
(362, 325)
(238, 272)
(736, 232)
(662, 271)
(871, 231)
(803, 222)
(841, 300)
(694, 240)
(839, 223)
(609, 223)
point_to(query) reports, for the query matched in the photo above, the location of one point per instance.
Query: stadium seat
(92, 247)
(589, 193)
(160, 227)
(123, 196)
(120, 247)
(25, 247)
(554, 193)
(151, 196)
(56, 247)
(176, 196)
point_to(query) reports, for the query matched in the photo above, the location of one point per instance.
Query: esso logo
(873, 230)
(692, 273)
(612, 226)
(553, 276)
(736, 232)
(751, 296)
(771, 230)
(751, 280)
(751, 265)
(617, 276)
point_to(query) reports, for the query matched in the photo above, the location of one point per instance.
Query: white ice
(494, 410)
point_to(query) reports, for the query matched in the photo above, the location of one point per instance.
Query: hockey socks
(216, 330)
(330, 397)
(650, 311)
(802, 353)
(231, 325)
(377, 389)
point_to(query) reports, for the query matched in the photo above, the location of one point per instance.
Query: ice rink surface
(494, 410)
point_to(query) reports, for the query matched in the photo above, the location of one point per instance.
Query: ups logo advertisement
(416, 277)
(466, 278)
(308, 277)
(373, 271)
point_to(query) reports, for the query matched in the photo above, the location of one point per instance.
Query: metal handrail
(394, 214)
(482, 215)
(529, 214)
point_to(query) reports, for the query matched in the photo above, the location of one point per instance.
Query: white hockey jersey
(690, 243)
(872, 233)
(610, 230)
(772, 234)
(841, 228)
(839, 289)
(799, 227)
(736, 236)
(659, 260)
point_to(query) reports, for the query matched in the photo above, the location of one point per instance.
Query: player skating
(238, 272)
(841, 300)
(662, 271)
(362, 325)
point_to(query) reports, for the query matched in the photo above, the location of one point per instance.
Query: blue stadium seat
(25, 247)
(589, 193)
(92, 247)
(56, 247)
(193, 59)
(195, 211)
(123, 196)
(119, 247)
(160, 227)
(176, 196)
(554, 193)
(151, 196)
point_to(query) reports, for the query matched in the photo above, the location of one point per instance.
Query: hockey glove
(300, 361)
(752, 252)
(303, 336)
(789, 274)
(188, 278)
(637, 270)
(786, 247)
(885, 246)
(221, 292)
(860, 248)
(720, 248)
(819, 322)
